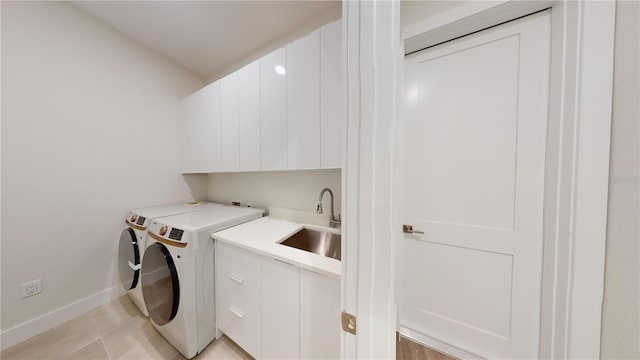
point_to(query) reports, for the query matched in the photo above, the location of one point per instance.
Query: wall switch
(31, 288)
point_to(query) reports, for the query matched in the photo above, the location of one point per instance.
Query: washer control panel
(176, 234)
(168, 232)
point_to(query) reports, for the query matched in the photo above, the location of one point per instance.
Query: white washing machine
(178, 274)
(133, 242)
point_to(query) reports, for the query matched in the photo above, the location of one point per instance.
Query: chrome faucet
(333, 221)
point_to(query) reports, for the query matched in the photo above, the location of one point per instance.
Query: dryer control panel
(136, 221)
(176, 234)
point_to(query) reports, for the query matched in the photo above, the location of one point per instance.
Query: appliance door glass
(128, 259)
(160, 286)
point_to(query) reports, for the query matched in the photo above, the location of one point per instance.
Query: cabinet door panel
(280, 310)
(303, 102)
(200, 124)
(273, 111)
(249, 116)
(331, 107)
(241, 264)
(229, 130)
(319, 316)
(239, 312)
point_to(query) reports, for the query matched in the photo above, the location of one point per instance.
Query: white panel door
(200, 126)
(303, 102)
(249, 116)
(273, 111)
(280, 298)
(332, 114)
(229, 128)
(474, 170)
(319, 316)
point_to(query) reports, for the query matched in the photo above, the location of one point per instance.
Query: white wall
(621, 308)
(296, 190)
(89, 131)
(412, 11)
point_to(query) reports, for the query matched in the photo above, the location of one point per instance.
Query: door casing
(576, 185)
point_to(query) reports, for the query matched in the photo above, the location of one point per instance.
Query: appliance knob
(134, 218)
(163, 230)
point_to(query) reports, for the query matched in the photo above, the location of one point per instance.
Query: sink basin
(315, 241)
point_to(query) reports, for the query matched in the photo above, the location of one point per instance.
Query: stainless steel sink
(318, 242)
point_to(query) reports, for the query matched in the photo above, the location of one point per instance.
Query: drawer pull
(236, 312)
(236, 278)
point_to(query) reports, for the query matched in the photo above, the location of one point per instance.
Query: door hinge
(348, 323)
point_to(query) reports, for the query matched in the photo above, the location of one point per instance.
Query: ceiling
(208, 37)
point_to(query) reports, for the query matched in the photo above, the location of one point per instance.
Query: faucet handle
(334, 222)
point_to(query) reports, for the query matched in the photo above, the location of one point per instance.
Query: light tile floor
(117, 330)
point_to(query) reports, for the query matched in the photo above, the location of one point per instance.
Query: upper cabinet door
(200, 116)
(331, 107)
(229, 129)
(303, 102)
(273, 110)
(249, 116)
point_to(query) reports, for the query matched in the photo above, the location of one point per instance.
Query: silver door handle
(408, 229)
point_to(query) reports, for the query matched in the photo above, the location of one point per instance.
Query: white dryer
(178, 274)
(133, 242)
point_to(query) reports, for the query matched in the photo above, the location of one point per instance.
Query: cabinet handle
(236, 312)
(236, 278)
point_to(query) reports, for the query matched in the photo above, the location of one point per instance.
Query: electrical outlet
(31, 288)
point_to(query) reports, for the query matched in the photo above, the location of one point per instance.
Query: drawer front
(242, 265)
(239, 312)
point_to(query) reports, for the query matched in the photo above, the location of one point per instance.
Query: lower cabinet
(280, 310)
(290, 313)
(239, 312)
(319, 316)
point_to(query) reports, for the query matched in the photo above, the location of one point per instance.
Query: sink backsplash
(301, 216)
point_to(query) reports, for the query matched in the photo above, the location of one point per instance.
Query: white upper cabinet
(229, 129)
(332, 113)
(281, 112)
(303, 102)
(200, 116)
(273, 110)
(249, 116)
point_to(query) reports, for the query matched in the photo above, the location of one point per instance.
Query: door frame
(576, 184)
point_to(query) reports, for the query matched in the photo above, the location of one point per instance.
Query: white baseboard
(438, 345)
(42, 323)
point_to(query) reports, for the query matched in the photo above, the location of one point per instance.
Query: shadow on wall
(197, 184)
(296, 190)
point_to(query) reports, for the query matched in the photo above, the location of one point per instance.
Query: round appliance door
(160, 286)
(128, 259)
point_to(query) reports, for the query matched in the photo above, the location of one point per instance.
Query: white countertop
(264, 235)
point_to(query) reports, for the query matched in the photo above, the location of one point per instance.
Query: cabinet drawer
(243, 266)
(239, 312)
